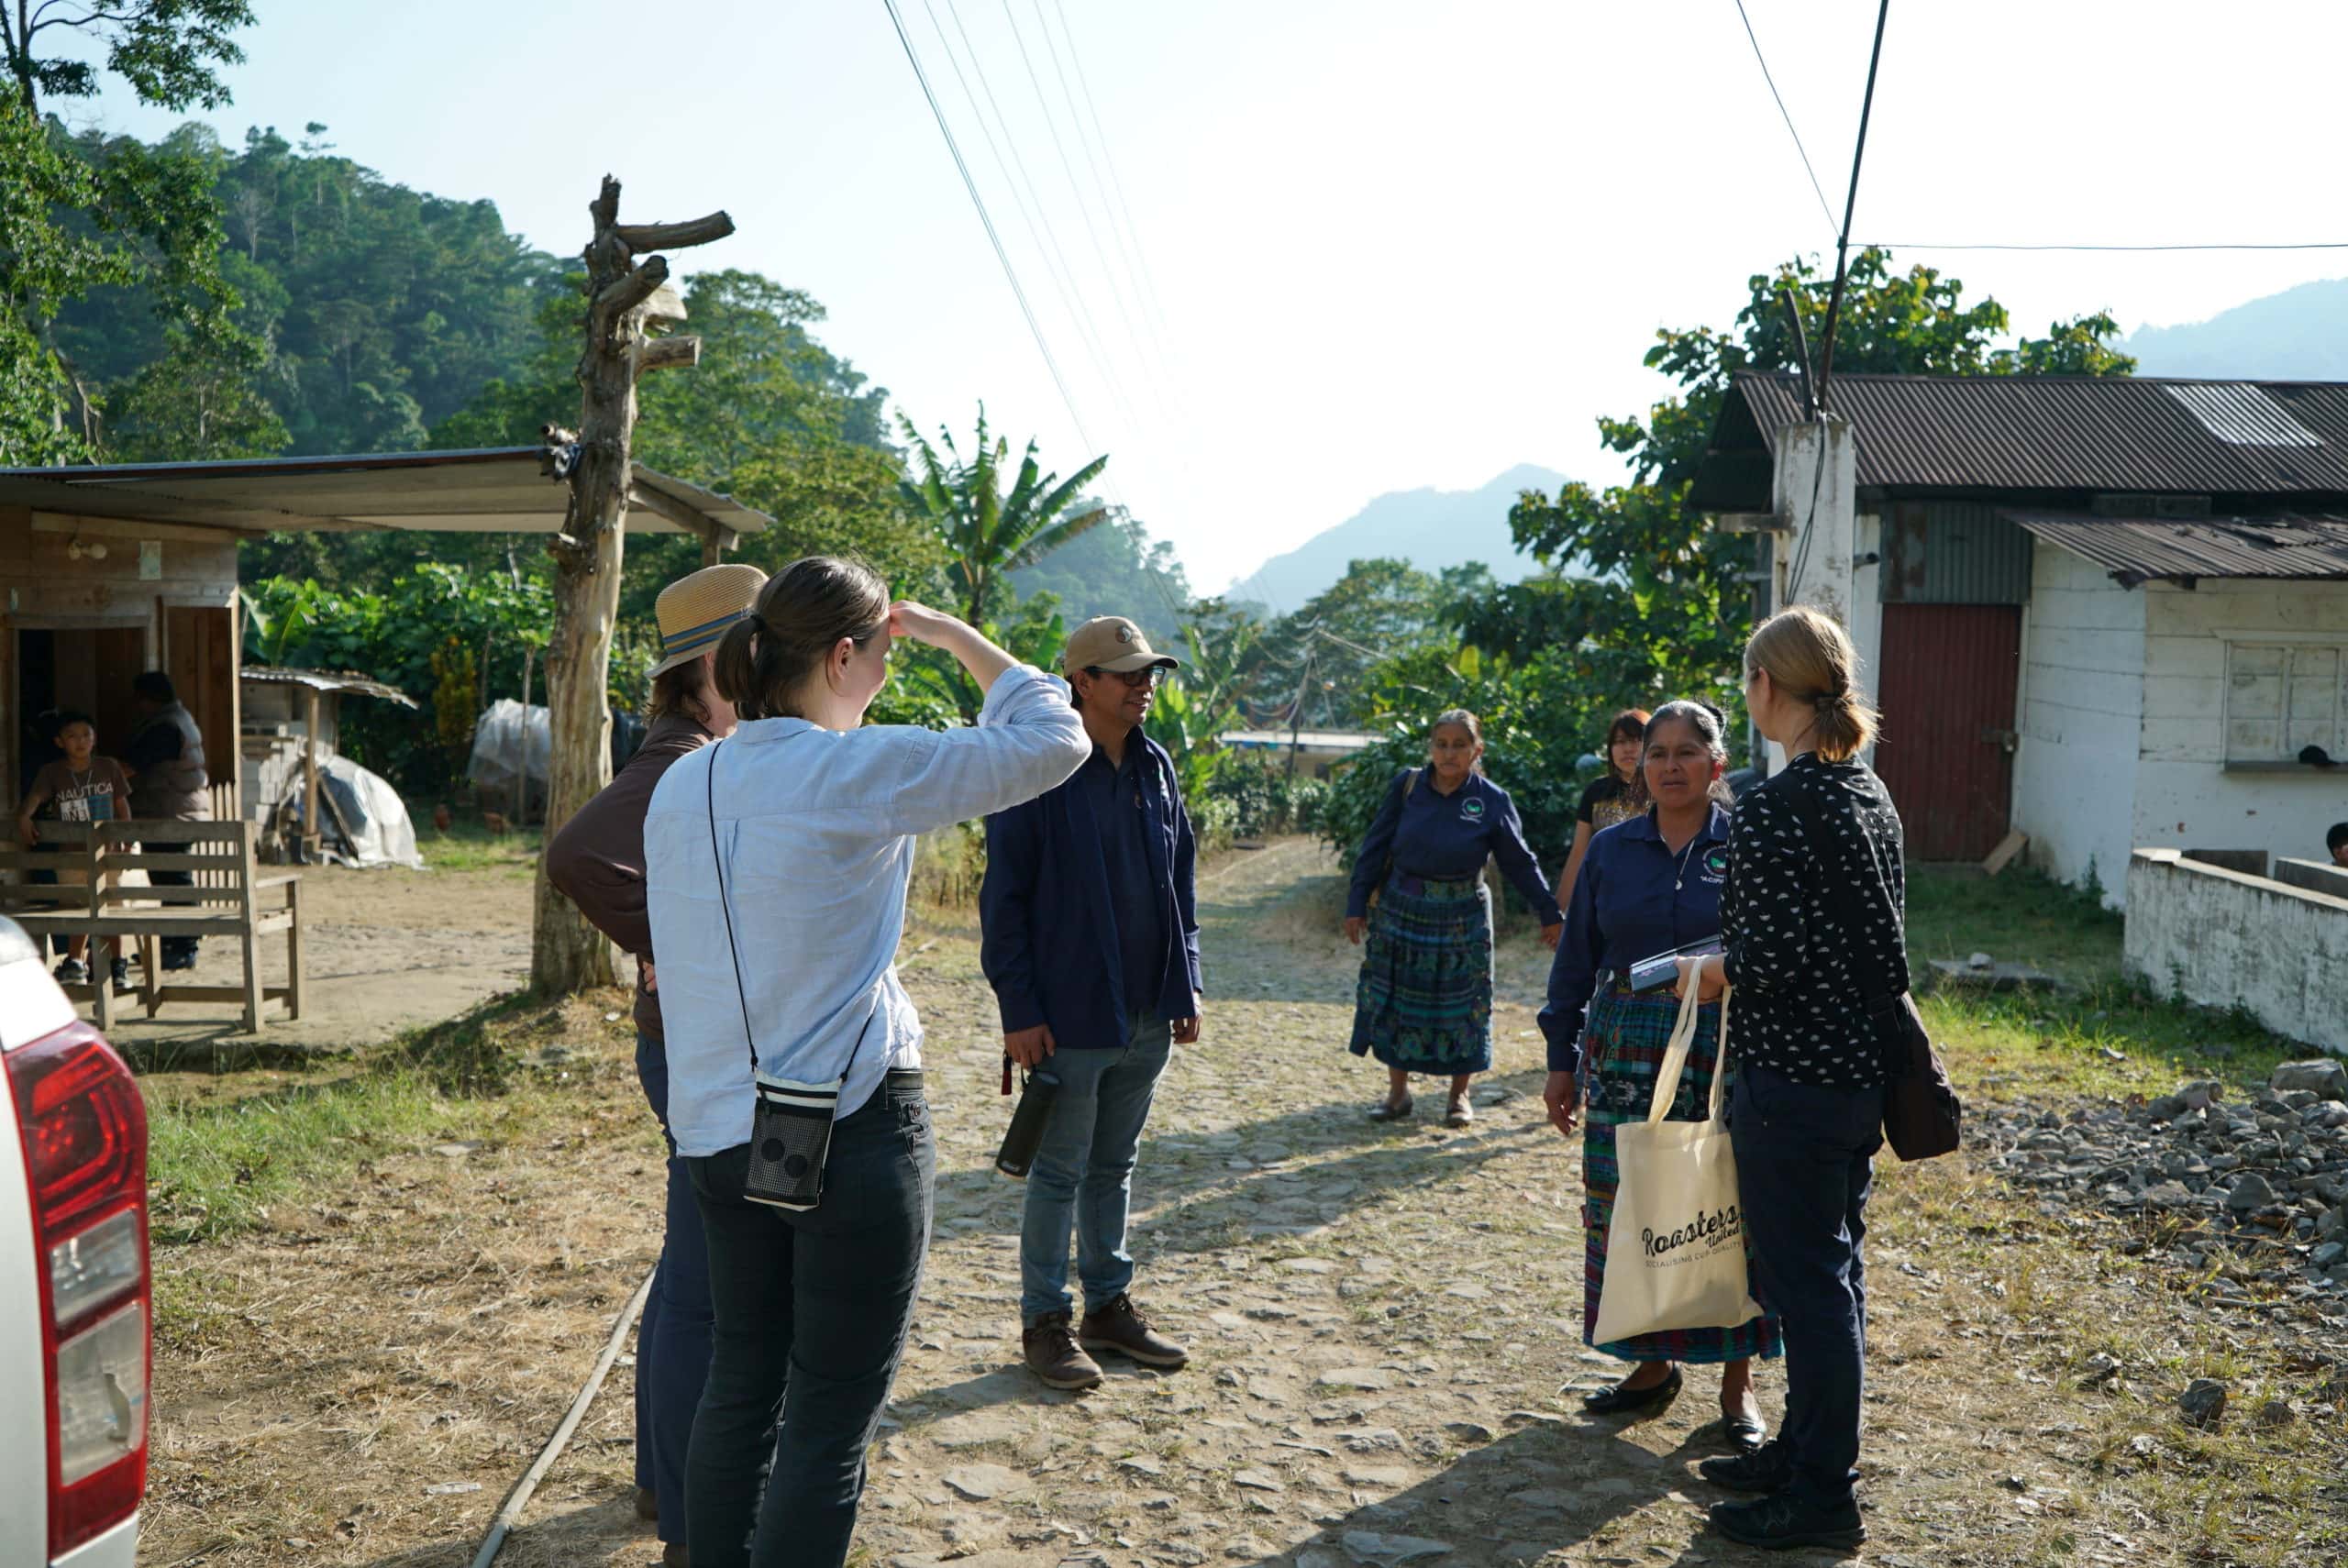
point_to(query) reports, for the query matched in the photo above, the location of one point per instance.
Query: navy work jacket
(1048, 931)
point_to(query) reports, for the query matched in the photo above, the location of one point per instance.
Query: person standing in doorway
(164, 757)
(1812, 924)
(597, 860)
(1090, 940)
(1424, 1003)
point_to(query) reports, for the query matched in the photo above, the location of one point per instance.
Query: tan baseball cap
(1114, 644)
(698, 609)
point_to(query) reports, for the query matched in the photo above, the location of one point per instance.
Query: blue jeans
(1083, 1178)
(1804, 1163)
(673, 1342)
(812, 1313)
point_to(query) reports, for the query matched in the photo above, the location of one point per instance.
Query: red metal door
(1947, 695)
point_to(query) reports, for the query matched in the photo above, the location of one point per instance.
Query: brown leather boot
(1052, 1354)
(1119, 1326)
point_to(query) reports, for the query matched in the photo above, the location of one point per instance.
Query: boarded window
(2281, 698)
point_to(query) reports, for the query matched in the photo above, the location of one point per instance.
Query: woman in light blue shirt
(792, 958)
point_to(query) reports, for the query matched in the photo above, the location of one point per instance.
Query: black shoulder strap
(709, 795)
(1841, 895)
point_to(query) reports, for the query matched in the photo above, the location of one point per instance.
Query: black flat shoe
(1391, 1111)
(1743, 1434)
(1621, 1401)
(1783, 1522)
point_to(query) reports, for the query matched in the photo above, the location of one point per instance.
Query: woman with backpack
(1425, 1001)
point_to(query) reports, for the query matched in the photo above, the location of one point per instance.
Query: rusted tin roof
(2139, 549)
(2062, 434)
(324, 680)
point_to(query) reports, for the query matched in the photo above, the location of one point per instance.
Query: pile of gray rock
(2264, 1181)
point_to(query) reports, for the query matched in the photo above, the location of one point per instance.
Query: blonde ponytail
(1810, 659)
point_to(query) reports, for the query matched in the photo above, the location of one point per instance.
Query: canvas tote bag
(1675, 1250)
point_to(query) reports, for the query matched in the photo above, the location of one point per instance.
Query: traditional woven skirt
(1623, 1050)
(1425, 1001)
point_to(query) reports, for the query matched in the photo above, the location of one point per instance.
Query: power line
(1787, 114)
(1067, 166)
(1116, 183)
(1117, 231)
(1046, 244)
(2245, 245)
(970, 185)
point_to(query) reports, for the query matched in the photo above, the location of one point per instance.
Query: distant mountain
(1432, 529)
(2299, 335)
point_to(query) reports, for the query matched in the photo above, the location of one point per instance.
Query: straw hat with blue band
(694, 612)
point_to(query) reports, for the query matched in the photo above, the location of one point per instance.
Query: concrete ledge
(2231, 937)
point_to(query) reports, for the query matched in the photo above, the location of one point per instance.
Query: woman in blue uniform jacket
(1425, 1001)
(1650, 886)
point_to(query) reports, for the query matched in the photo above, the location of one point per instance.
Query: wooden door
(200, 656)
(1947, 695)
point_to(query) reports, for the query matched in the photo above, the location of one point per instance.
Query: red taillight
(84, 1132)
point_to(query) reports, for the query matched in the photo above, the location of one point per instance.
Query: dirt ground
(383, 951)
(1385, 1324)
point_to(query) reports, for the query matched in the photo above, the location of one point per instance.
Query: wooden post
(314, 840)
(566, 952)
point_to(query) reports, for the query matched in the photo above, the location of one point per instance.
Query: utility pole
(1296, 714)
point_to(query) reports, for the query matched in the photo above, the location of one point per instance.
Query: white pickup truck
(75, 1305)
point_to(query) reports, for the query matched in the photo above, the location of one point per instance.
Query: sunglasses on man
(1136, 679)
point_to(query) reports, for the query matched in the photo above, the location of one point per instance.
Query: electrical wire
(1068, 167)
(1037, 221)
(1825, 208)
(1010, 274)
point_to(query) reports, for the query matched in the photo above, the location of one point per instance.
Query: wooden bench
(225, 902)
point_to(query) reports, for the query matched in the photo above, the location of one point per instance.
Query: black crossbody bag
(1922, 1116)
(791, 1129)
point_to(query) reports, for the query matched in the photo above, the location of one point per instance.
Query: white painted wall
(2185, 799)
(2226, 939)
(2082, 712)
(1866, 625)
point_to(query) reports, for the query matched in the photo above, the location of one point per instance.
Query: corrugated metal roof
(324, 681)
(2077, 434)
(2138, 549)
(495, 489)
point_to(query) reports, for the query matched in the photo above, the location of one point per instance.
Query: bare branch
(643, 237)
(634, 289)
(668, 354)
(605, 209)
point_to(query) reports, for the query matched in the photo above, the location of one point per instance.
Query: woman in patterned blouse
(1806, 1111)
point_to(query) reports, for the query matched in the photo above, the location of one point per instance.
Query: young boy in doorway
(80, 787)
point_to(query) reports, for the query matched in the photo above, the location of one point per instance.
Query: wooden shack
(292, 727)
(111, 569)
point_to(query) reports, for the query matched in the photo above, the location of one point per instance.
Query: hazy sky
(1374, 246)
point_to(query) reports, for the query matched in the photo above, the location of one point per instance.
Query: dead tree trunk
(622, 296)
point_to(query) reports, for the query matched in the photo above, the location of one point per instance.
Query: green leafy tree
(169, 50)
(1646, 600)
(990, 535)
(1115, 569)
(1383, 608)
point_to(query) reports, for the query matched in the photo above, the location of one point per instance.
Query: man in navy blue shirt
(1090, 939)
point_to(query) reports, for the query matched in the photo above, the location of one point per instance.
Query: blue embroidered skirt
(1425, 1001)
(1623, 1050)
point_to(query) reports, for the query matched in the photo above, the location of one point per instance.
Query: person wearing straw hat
(597, 860)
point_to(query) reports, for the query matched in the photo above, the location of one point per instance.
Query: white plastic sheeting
(510, 742)
(376, 815)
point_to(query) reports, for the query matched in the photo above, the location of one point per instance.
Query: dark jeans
(174, 949)
(812, 1314)
(1804, 1162)
(673, 1342)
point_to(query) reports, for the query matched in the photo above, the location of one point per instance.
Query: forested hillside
(379, 310)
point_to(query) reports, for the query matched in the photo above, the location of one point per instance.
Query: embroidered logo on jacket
(1472, 809)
